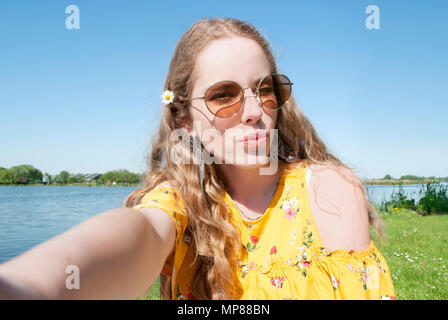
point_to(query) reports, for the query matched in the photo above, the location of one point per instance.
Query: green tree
(120, 176)
(3, 172)
(26, 173)
(387, 177)
(411, 177)
(75, 178)
(7, 176)
(62, 177)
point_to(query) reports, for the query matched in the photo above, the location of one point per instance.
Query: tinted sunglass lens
(224, 98)
(275, 91)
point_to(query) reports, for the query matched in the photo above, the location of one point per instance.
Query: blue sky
(88, 100)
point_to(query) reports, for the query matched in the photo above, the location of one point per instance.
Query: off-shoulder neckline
(293, 168)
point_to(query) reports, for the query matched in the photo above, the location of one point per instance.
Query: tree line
(414, 178)
(27, 174)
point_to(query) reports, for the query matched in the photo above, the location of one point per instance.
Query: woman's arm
(119, 254)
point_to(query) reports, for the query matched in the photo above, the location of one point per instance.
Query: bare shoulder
(339, 207)
(341, 173)
(336, 182)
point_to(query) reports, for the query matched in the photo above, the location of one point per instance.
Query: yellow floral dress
(284, 254)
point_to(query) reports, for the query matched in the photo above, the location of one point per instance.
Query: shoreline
(400, 182)
(364, 182)
(70, 185)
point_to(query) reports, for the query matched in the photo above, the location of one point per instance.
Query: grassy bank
(416, 250)
(74, 184)
(398, 182)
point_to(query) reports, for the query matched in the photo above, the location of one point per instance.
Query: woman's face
(243, 61)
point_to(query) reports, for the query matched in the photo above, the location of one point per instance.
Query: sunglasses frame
(257, 94)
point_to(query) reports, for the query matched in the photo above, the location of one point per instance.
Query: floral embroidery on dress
(325, 251)
(335, 282)
(173, 193)
(364, 275)
(307, 237)
(291, 208)
(367, 270)
(304, 258)
(276, 268)
(179, 296)
(387, 297)
(191, 296)
(251, 247)
(246, 268)
(381, 268)
(278, 282)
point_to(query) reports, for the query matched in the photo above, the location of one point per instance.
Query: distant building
(87, 177)
(93, 176)
(23, 180)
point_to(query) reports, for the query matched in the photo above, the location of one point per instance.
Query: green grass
(152, 293)
(416, 250)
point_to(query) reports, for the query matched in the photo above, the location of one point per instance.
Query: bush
(399, 199)
(434, 199)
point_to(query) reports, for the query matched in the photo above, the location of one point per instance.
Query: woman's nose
(252, 107)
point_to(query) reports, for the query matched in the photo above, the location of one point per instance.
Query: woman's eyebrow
(257, 81)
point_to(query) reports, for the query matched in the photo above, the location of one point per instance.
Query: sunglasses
(225, 98)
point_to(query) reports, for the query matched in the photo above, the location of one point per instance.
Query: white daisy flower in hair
(167, 97)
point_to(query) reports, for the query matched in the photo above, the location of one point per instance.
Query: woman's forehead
(238, 59)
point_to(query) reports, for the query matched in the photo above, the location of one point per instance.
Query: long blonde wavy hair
(215, 240)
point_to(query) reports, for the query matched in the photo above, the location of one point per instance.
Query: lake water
(30, 215)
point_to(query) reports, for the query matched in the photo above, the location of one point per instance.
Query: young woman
(217, 226)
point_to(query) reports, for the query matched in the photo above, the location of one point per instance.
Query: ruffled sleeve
(352, 275)
(168, 200)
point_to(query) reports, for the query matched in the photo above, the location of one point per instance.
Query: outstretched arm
(119, 254)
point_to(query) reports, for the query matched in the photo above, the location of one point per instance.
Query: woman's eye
(220, 96)
(266, 90)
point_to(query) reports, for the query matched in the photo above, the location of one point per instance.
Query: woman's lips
(255, 138)
(253, 142)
